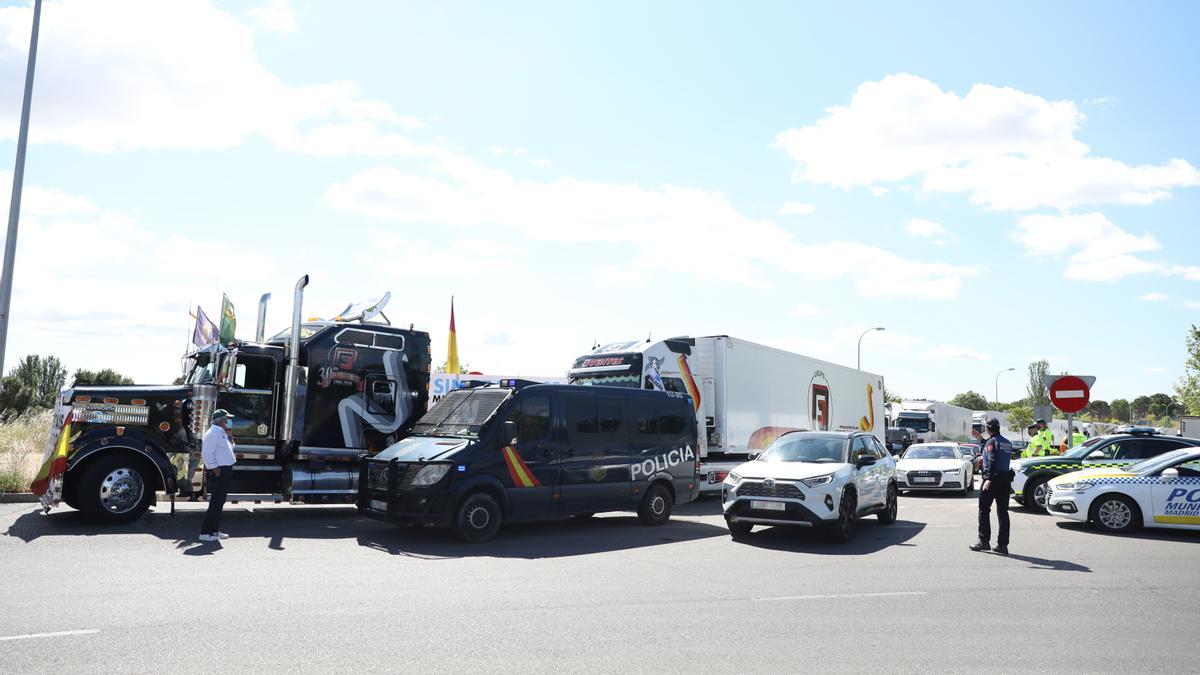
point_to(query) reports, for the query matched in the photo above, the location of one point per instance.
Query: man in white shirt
(217, 453)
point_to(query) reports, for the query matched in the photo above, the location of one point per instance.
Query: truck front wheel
(114, 490)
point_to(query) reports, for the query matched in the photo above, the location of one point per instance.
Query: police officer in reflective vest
(997, 479)
(1078, 439)
(1046, 436)
(1034, 447)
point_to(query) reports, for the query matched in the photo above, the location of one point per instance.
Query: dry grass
(22, 443)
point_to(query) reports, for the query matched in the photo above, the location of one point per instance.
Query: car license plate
(924, 479)
(378, 505)
(767, 506)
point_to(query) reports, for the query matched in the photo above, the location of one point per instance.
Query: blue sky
(993, 186)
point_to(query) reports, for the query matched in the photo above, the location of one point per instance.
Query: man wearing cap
(1033, 448)
(1046, 436)
(217, 453)
(997, 453)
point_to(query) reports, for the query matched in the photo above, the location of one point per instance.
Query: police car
(825, 479)
(1033, 475)
(1159, 492)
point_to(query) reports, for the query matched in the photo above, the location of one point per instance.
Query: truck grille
(756, 489)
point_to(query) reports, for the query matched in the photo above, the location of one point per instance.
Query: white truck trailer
(1189, 426)
(935, 421)
(746, 394)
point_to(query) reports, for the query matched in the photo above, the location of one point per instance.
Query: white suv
(823, 479)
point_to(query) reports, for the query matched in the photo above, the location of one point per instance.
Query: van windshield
(462, 412)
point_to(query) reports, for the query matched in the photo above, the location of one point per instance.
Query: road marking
(841, 596)
(62, 633)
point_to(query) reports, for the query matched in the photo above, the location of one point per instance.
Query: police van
(518, 451)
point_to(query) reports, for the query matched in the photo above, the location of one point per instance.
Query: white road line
(61, 633)
(841, 596)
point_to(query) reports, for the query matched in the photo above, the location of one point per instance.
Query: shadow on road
(870, 537)
(1153, 534)
(276, 525)
(1047, 564)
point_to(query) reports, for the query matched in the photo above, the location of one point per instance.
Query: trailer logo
(868, 423)
(662, 462)
(819, 406)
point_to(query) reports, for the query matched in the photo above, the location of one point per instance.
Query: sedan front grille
(925, 475)
(757, 489)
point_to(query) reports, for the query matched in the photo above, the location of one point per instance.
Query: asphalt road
(320, 589)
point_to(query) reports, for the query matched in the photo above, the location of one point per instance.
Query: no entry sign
(1070, 394)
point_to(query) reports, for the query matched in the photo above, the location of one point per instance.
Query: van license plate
(378, 505)
(768, 506)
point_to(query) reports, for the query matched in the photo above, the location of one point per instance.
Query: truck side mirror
(510, 432)
(933, 426)
(751, 456)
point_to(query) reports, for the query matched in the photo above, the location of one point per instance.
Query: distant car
(1163, 491)
(976, 454)
(826, 479)
(935, 466)
(899, 438)
(1115, 451)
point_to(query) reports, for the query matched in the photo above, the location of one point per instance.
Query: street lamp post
(998, 384)
(14, 209)
(860, 337)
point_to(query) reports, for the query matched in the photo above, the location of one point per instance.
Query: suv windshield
(462, 412)
(797, 448)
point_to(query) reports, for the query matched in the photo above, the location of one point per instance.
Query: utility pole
(997, 392)
(14, 208)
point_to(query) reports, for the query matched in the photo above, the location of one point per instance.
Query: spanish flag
(55, 463)
(452, 365)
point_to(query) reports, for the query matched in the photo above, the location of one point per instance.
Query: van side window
(610, 416)
(670, 422)
(645, 418)
(532, 418)
(581, 415)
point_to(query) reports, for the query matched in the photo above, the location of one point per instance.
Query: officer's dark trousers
(218, 488)
(997, 492)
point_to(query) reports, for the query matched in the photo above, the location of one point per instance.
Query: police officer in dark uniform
(997, 481)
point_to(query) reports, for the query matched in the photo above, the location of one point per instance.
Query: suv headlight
(734, 478)
(817, 480)
(431, 474)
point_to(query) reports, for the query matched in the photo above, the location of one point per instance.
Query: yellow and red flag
(452, 365)
(55, 463)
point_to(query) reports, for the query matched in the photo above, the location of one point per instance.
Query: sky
(991, 184)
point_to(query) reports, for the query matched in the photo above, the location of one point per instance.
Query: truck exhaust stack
(292, 384)
(260, 331)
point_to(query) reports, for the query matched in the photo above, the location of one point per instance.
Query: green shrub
(22, 443)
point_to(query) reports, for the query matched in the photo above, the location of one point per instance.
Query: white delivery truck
(935, 421)
(1189, 426)
(746, 394)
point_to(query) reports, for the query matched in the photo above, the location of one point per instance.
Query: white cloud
(1188, 272)
(1007, 148)
(796, 209)
(38, 201)
(806, 310)
(1153, 297)
(1191, 304)
(919, 227)
(496, 149)
(611, 276)
(1096, 249)
(953, 353)
(1152, 371)
(145, 74)
(670, 228)
(276, 16)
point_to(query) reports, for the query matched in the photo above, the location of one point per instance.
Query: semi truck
(306, 404)
(745, 394)
(935, 421)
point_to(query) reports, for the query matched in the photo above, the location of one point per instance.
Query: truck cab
(306, 404)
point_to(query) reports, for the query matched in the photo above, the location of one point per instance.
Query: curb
(18, 498)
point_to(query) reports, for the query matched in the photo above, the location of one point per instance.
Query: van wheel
(114, 490)
(738, 529)
(656, 506)
(478, 518)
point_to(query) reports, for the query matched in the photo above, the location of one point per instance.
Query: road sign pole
(1070, 430)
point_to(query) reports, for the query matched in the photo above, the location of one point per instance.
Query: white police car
(1163, 491)
(826, 479)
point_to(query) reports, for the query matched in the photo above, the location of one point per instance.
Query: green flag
(228, 320)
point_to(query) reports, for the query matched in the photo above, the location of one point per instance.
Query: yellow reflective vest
(1047, 441)
(1078, 440)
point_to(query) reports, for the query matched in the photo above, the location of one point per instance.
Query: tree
(1160, 403)
(33, 383)
(1140, 406)
(1099, 410)
(1120, 410)
(108, 376)
(1019, 417)
(971, 400)
(1035, 389)
(890, 397)
(1187, 388)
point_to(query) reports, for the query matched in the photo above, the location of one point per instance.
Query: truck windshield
(200, 368)
(462, 412)
(915, 423)
(608, 370)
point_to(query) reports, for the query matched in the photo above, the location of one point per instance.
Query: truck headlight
(817, 480)
(431, 474)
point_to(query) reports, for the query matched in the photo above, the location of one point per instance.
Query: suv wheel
(655, 508)
(843, 529)
(478, 518)
(888, 515)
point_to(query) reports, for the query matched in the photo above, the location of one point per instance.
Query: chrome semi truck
(306, 404)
